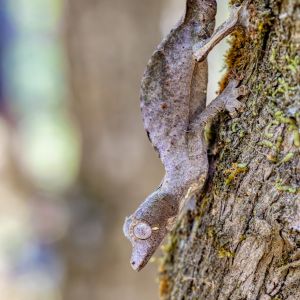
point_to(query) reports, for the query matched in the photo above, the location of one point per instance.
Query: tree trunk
(242, 239)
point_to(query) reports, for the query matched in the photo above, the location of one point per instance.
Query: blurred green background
(74, 158)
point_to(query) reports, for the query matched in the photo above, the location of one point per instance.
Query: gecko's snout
(140, 256)
(143, 249)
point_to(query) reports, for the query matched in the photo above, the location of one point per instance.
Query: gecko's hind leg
(239, 17)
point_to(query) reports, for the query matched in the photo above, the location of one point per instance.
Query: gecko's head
(145, 239)
(148, 226)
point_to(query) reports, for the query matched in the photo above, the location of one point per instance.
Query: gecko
(173, 106)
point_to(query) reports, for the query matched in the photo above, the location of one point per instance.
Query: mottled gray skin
(173, 104)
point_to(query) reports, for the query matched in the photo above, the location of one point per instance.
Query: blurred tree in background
(109, 43)
(39, 150)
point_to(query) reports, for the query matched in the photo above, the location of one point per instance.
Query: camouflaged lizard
(173, 105)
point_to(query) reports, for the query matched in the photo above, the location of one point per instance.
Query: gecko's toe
(239, 76)
(242, 91)
(233, 113)
(234, 107)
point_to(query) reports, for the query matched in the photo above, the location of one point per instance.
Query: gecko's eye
(142, 231)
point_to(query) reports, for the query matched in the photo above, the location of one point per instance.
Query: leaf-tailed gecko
(173, 105)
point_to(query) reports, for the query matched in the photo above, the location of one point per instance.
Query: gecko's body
(173, 104)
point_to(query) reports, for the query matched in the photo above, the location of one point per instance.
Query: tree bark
(242, 238)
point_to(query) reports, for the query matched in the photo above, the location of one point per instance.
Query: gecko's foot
(231, 94)
(234, 107)
(241, 11)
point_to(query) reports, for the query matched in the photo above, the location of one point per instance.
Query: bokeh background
(74, 158)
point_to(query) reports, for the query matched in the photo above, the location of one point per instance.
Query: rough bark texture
(242, 240)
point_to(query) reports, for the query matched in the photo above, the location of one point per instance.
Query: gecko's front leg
(226, 101)
(239, 17)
